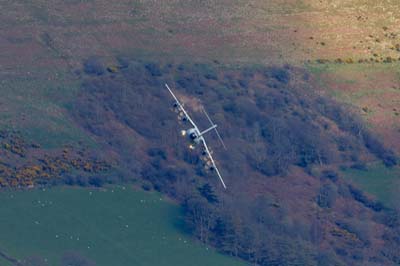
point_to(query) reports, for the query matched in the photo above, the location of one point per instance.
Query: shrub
(157, 152)
(184, 83)
(389, 159)
(270, 168)
(69, 180)
(377, 148)
(153, 69)
(357, 227)
(207, 192)
(96, 181)
(82, 181)
(359, 166)
(359, 196)
(123, 62)
(93, 66)
(211, 75)
(349, 60)
(341, 252)
(390, 218)
(146, 186)
(327, 196)
(230, 107)
(322, 61)
(331, 175)
(243, 83)
(280, 74)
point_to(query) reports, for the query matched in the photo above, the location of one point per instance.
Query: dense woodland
(286, 203)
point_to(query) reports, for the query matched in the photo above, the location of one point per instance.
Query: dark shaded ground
(285, 203)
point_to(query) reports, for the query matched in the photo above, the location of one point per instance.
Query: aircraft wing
(213, 162)
(181, 106)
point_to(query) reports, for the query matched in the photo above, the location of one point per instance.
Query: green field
(379, 181)
(36, 108)
(4, 262)
(113, 226)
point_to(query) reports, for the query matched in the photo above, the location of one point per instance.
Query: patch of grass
(370, 93)
(36, 108)
(378, 180)
(364, 79)
(5, 262)
(113, 226)
(343, 68)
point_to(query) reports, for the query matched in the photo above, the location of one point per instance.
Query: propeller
(176, 108)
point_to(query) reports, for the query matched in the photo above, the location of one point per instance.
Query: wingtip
(223, 184)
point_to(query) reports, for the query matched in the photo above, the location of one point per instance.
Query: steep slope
(55, 37)
(285, 203)
(46, 42)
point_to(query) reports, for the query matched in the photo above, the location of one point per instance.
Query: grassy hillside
(47, 42)
(72, 113)
(33, 104)
(110, 226)
(262, 31)
(373, 90)
(378, 180)
(285, 138)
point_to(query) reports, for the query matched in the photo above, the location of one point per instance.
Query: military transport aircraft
(195, 136)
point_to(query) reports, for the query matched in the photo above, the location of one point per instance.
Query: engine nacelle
(182, 117)
(192, 135)
(209, 167)
(176, 107)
